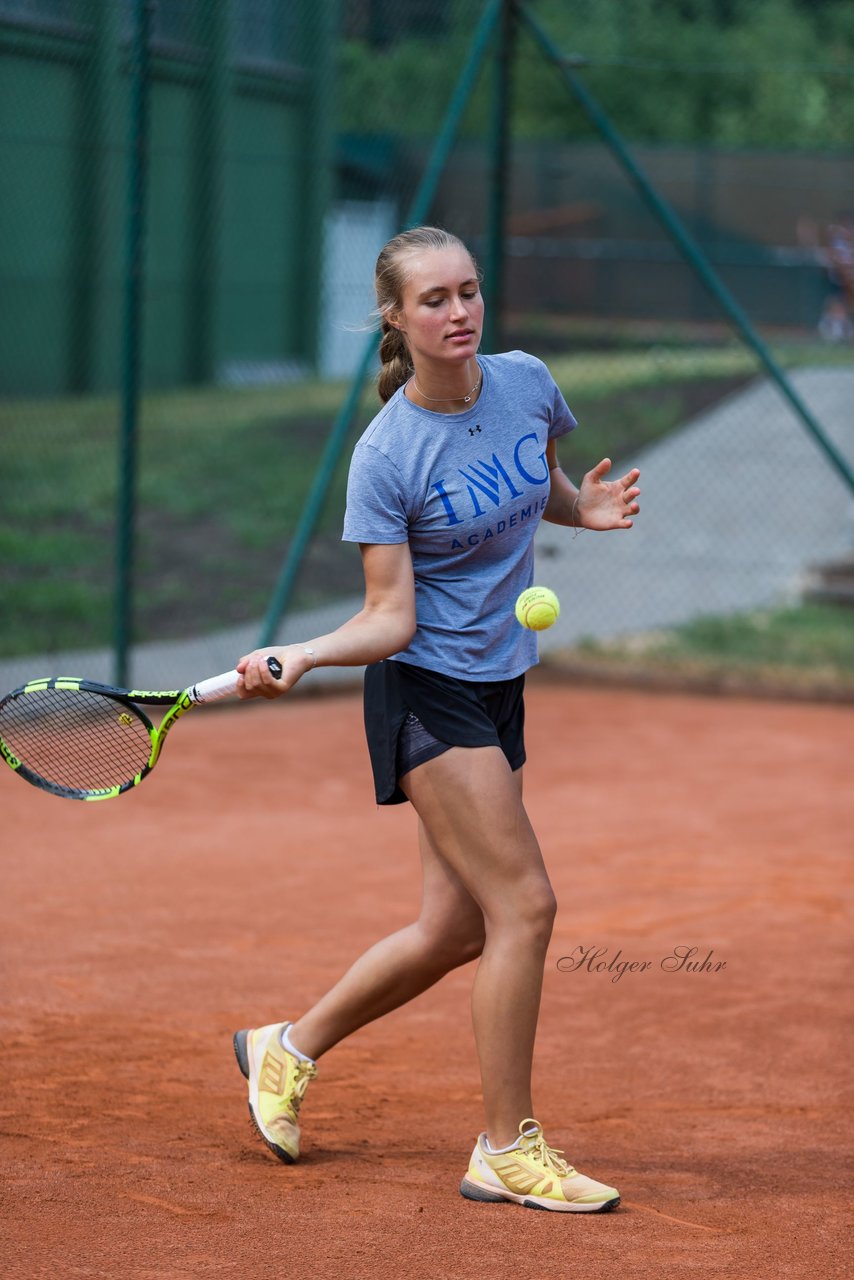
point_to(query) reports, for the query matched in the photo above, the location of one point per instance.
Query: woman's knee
(529, 910)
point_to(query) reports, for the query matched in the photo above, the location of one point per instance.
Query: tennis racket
(89, 741)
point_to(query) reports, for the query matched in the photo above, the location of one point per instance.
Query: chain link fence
(278, 147)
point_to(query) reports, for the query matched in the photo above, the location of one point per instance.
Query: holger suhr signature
(681, 959)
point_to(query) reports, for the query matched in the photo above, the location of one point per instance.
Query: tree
(726, 72)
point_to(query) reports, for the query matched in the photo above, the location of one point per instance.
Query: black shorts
(448, 713)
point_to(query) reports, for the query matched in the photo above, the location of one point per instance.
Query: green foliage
(815, 638)
(222, 479)
(406, 87)
(728, 72)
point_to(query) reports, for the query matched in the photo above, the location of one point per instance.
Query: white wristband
(312, 655)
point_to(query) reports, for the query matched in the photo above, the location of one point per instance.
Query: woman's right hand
(258, 679)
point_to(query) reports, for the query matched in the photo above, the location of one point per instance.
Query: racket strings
(76, 739)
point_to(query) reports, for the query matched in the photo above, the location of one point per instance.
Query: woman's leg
(449, 932)
(470, 804)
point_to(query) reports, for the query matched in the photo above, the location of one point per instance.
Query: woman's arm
(598, 504)
(384, 625)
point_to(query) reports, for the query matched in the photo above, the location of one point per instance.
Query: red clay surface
(139, 933)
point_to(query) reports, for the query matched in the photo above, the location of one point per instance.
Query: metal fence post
(132, 335)
(499, 176)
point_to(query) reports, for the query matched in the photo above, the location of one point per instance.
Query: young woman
(446, 488)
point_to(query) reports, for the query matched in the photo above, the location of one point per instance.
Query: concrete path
(735, 509)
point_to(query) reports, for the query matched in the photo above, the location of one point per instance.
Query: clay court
(231, 889)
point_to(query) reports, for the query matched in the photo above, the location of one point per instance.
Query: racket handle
(226, 684)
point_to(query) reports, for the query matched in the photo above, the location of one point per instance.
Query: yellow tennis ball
(537, 608)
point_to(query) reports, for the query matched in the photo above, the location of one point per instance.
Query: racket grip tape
(225, 685)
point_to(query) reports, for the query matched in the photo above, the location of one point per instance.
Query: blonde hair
(389, 280)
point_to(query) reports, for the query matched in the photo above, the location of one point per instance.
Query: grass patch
(807, 644)
(222, 478)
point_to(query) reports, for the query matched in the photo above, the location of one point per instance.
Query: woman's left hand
(607, 504)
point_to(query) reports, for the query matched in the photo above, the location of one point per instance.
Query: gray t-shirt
(466, 491)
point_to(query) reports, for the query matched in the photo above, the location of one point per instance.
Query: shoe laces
(303, 1073)
(535, 1144)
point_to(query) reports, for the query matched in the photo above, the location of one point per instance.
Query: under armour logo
(473, 429)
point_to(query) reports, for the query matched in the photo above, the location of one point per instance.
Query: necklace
(449, 399)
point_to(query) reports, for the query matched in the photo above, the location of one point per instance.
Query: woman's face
(441, 311)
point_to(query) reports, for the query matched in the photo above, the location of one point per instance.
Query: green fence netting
(279, 146)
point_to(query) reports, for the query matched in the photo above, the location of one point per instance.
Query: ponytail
(395, 360)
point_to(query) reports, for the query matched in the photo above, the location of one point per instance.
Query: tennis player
(446, 489)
